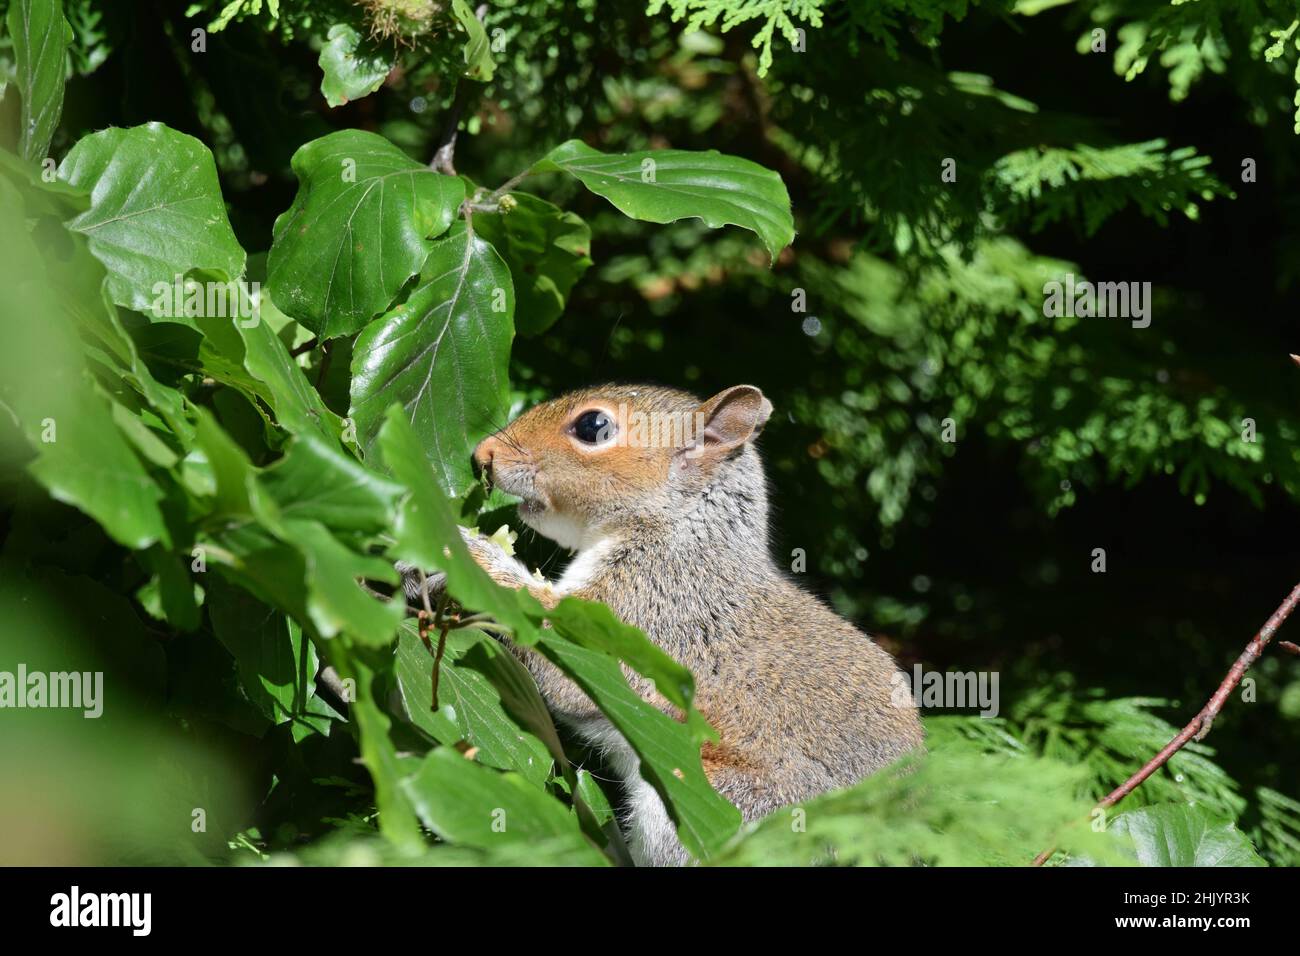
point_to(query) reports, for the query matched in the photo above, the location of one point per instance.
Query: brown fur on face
(572, 490)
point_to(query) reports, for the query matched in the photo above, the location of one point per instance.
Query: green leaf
(205, 344)
(176, 594)
(670, 184)
(56, 198)
(276, 663)
(82, 458)
(517, 693)
(353, 66)
(429, 537)
(478, 52)
(328, 571)
(316, 481)
(396, 812)
(156, 210)
(1171, 834)
(469, 705)
(146, 441)
(275, 572)
(523, 702)
(547, 249)
(670, 757)
(297, 406)
(358, 229)
(590, 793)
(473, 805)
(233, 480)
(443, 354)
(336, 602)
(97, 317)
(40, 39)
(87, 463)
(595, 626)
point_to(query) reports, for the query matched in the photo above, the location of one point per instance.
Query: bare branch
(304, 347)
(444, 157)
(1200, 724)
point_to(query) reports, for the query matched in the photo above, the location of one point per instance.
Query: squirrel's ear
(731, 418)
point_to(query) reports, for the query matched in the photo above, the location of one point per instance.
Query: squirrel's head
(592, 462)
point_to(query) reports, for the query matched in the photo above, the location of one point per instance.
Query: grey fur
(804, 702)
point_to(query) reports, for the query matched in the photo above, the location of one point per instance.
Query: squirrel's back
(803, 701)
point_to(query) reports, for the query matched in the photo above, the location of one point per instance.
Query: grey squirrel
(664, 500)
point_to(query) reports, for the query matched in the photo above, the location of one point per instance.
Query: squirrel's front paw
(413, 580)
(489, 553)
(495, 555)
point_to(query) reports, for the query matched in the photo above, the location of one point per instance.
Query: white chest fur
(584, 566)
(652, 838)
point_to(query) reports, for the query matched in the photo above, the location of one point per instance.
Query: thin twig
(453, 622)
(304, 347)
(444, 157)
(1200, 724)
(507, 186)
(439, 621)
(329, 679)
(437, 663)
(426, 616)
(430, 617)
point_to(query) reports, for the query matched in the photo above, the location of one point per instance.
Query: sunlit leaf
(40, 45)
(442, 355)
(665, 185)
(352, 66)
(358, 229)
(464, 802)
(156, 210)
(1172, 834)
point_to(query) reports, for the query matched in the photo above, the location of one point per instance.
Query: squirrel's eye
(593, 427)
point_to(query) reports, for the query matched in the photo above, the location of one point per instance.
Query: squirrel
(664, 499)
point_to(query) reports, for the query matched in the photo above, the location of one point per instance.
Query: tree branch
(328, 680)
(1200, 724)
(444, 156)
(304, 347)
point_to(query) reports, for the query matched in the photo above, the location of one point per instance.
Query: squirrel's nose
(484, 453)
